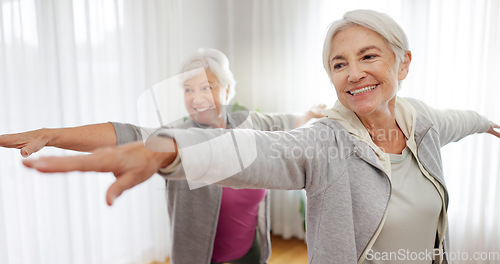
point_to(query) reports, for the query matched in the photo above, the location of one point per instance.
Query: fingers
(32, 147)
(82, 163)
(122, 183)
(319, 107)
(494, 129)
(131, 164)
(28, 142)
(496, 132)
(25, 152)
(6, 140)
(52, 164)
(29, 149)
(114, 191)
(88, 162)
(317, 111)
(9, 141)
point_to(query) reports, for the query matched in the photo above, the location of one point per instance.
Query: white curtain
(74, 62)
(68, 63)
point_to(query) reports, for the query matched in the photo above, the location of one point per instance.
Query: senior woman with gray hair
(235, 224)
(372, 169)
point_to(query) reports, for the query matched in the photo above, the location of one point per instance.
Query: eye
(370, 57)
(188, 90)
(207, 88)
(338, 66)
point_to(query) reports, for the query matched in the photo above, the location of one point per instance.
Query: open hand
(131, 164)
(494, 129)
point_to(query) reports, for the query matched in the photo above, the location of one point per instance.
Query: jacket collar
(406, 116)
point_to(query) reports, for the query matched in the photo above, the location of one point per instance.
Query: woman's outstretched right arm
(82, 138)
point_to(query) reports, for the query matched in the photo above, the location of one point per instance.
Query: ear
(404, 66)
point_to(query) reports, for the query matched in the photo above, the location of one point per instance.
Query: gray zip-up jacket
(192, 240)
(348, 189)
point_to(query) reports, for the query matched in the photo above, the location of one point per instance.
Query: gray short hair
(381, 23)
(215, 61)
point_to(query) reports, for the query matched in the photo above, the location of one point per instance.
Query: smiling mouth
(202, 109)
(362, 90)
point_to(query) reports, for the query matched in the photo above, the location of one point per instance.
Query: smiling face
(203, 97)
(364, 71)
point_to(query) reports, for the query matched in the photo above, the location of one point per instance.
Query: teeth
(202, 109)
(362, 90)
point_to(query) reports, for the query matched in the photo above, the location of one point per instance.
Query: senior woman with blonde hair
(235, 224)
(372, 169)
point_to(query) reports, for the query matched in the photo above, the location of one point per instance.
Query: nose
(197, 98)
(200, 98)
(355, 73)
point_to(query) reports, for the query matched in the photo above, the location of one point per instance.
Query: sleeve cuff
(172, 166)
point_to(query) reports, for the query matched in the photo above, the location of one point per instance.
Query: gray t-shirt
(409, 232)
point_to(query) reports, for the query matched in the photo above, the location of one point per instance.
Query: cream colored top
(409, 233)
(406, 118)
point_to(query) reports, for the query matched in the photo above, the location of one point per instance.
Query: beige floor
(289, 251)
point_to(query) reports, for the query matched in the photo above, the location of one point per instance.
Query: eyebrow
(361, 51)
(203, 82)
(367, 48)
